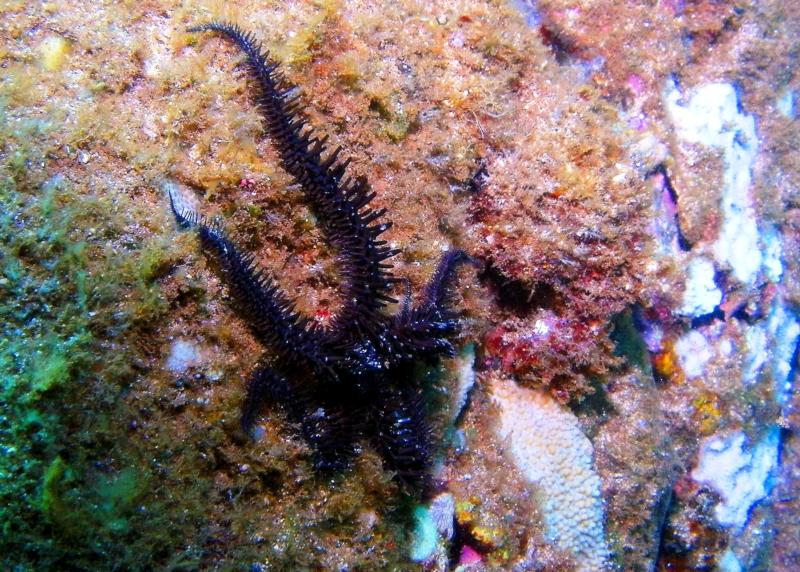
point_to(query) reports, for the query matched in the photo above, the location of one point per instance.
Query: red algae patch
(563, 218)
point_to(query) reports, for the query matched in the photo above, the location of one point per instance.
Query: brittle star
(355, 377)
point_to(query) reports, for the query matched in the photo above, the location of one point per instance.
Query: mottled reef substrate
(641, 279)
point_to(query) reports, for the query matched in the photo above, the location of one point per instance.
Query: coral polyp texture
(547, 446)
(623, 394)
(355, 375)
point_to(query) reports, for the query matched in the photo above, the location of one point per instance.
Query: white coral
(740, 474)
(548, 447)
(712, 117)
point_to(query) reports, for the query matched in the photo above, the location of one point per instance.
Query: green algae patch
(53, 365)
(118, 495)
(102, 505)
(155, 259)
(628, 342)
(68, 298)
(50, 370)
(74, 509)
(74, 486)
(51, 500)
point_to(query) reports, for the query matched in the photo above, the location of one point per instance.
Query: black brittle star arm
(423, 330)
(340, 203)
(269, 312)
(324, 424)
(403, 435)
(272, 317)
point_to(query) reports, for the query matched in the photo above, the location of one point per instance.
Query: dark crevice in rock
(661, 169)
(518, 297)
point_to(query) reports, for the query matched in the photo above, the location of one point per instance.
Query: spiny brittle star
(358, 372)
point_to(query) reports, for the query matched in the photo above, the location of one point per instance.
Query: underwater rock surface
(626, 173)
